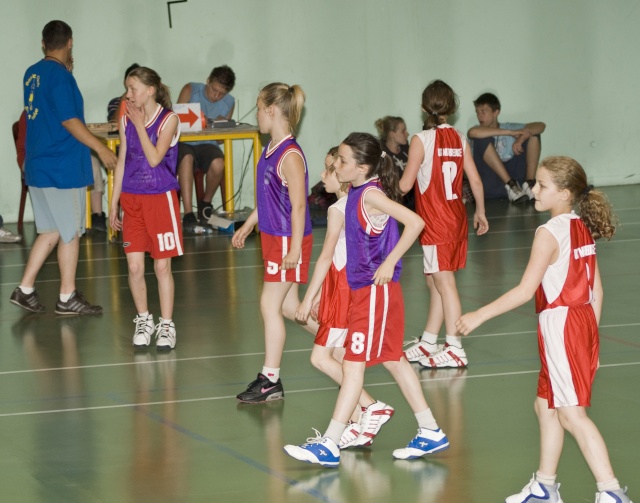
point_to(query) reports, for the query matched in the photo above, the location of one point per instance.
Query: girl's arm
(118, 174)
(377, 202)
(543, 253)
(416, 158)
(335, 223)
(153, 153)
(598, 293)
(480, 221)
(239, 237)
(293, 171)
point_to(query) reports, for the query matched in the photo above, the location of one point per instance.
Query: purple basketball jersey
(370, 238)
(139, 176)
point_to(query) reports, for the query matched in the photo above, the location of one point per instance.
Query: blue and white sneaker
(318, 450)
(617, 496)
(535, 491)
(425, 442)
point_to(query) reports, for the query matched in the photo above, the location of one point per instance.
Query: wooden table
(225, 135)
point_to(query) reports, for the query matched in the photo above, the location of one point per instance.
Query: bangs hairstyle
(367, 151)
(593, 206)
(288, 99)
(438, 100)
(151, 78)
(55, 35)
(333, 152)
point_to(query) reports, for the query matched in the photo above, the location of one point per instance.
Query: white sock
(166, 322)
(547, 480)
(454, 340)
(335, 431)
(64, 297)
(610, 485)
(272, 374)
(27, 290)
(144, 315)
(426, 420)
(429, 338)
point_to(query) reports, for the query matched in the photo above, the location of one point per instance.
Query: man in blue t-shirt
(506, 153)
(57, 169)
(215, 103)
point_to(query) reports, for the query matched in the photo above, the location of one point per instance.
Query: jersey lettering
(449, 172)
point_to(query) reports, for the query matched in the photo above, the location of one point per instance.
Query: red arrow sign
(189, 118)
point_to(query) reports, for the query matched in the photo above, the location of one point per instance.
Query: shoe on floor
(262, 390)
(373, 417)
(425, 442)
(535, 491)
(514, 193)
(350, 435)
(449, 356)
(526, 189)
(617, 496)
(77, 304)
(317, 450)
(165, 335)
(191, 226)
(420, 349)
(30, 302)
(99, 222)
(144, 331)
(7, 236)
(205, 210)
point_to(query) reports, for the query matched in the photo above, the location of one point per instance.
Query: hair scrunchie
(586, 190)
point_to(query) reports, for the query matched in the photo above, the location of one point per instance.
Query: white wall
(569, 63)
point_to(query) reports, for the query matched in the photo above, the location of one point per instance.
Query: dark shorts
(203, 154)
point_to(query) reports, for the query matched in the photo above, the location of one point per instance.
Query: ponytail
(438, 101)
(289, 99)
(367, 151)
(593, 206)
(151, 78)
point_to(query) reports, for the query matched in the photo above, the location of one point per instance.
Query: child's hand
(239, 237)
(291, 260)
(384, 273)
(481, 224)
(135, 115)
(468, 322)
(315, 309)
(114, 221)
(302, 313)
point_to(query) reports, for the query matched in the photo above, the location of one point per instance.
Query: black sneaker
(191, 226)
(30, 302)
(77, 304)
(99, 222)
(262, 390)
(205, 210)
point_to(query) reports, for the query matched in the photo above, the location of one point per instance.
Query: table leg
(227, 197)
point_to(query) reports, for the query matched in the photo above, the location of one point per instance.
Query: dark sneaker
(77, 304)
(30, 302)
(205, 210)
(99, 222)
(191, 226)
(262, 390)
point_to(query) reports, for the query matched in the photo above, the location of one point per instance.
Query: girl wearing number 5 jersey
(438, 155)
(146, 188)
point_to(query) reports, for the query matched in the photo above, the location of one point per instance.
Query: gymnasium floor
(85, 419)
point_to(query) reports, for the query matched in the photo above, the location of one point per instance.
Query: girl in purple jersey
(563, 274)
(282, 215)
(146, 188)
(376, 316)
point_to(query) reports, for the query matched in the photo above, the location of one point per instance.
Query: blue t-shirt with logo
(504, 144)
(54, 158)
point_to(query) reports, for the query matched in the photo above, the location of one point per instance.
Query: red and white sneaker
(350, 435)
(448, 357)
(420, 349)
(373, 417)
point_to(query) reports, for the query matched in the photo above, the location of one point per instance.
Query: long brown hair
(367, 151)
(438, 101)
(593, 206)
(151, 78)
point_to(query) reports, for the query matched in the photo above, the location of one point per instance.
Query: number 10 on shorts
(166, 241)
